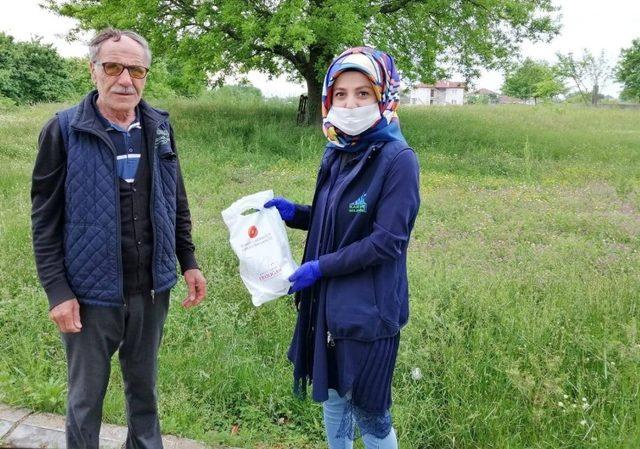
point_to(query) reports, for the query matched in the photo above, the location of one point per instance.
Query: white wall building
(440, 93)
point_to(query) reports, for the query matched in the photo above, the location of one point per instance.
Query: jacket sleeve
(47, 213)
(301, 219)
(185, 249)
(396, 211)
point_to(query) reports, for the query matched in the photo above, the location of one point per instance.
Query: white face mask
(354, 121)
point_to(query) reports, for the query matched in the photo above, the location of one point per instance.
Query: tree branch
(394, 6)
(479, 5)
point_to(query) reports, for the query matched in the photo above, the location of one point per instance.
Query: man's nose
(125, 78)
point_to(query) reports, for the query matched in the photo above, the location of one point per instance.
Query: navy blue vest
(92, 247)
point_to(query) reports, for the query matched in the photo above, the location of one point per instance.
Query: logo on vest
(162, 138)
(359, 206)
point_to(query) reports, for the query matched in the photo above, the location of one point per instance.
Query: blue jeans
(334, 410)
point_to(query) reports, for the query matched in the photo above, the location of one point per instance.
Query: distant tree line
(587, 74)
(33, 72)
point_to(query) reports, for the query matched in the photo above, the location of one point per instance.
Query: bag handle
(255, 201)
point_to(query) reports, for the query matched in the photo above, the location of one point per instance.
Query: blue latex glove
(286, 208)
(305, 276)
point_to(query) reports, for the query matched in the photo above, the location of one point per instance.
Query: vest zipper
(151, 153)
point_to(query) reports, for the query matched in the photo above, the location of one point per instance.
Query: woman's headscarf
(380, 68)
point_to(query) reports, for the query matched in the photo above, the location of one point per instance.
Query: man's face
(120, 93)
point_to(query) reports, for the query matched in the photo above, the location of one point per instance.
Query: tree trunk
(595, 95)
(314, 103)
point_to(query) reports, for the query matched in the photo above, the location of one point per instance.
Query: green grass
(524, 271)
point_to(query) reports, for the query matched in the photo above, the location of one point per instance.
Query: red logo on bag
(253, 232)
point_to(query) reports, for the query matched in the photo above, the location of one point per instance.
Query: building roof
(443, 84)
(483, 91)
(505, 99)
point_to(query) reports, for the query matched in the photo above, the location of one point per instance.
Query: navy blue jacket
(363, 258)
(89, 238)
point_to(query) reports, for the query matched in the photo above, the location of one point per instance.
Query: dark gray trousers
(135, 331)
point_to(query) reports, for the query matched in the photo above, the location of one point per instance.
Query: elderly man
(109, 217)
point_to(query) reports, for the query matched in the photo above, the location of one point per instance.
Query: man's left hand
(196, 286)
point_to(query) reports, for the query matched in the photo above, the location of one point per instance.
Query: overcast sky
(594, 24)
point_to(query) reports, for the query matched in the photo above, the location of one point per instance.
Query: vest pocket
(89, 260)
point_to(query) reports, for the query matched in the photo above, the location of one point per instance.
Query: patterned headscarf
(380, 68)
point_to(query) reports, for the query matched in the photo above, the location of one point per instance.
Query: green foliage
(6, 103)
(235, 94)
(533, 79)
(301, 37)
(588, 73)
(628, 72)
(31, 72)
(157, 85)
(79, 77)
(523, 270)
(482, 98)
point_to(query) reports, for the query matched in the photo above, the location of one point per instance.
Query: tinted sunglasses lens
(137, 71)
(112, 68)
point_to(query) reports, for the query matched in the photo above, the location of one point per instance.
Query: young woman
(352, 289)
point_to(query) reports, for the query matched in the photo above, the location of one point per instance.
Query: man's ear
(92, 70)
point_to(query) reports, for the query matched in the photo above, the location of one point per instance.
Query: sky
(592, 24)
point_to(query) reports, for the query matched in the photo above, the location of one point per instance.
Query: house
(484, 91)
(483, 96)
(440, 93)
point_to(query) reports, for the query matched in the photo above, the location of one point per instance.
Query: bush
(6, 103)
(79, 77)
(32, 72)
(237, 93)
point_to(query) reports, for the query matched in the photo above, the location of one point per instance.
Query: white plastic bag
(260, 241)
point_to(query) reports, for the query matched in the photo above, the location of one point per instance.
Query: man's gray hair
(115, 34)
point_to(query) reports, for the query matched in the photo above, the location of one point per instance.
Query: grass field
(524, 272)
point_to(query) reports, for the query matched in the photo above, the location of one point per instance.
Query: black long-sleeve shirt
(48, 204)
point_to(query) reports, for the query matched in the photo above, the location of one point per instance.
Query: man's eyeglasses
(115, 69)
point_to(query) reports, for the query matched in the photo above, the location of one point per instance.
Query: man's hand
(66, 315)
(197, 286)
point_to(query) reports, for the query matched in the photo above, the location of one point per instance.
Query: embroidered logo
(359, 206)
(162, 137)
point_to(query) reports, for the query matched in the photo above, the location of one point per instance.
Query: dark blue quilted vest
(92, 247)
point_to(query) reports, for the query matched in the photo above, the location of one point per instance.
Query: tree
(79, 76)
(588, 73)
(628, 72)
(32, 72)
(533, 79)
(300, 37)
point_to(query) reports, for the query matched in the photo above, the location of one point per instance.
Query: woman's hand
(305, 276)
(286, 208)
